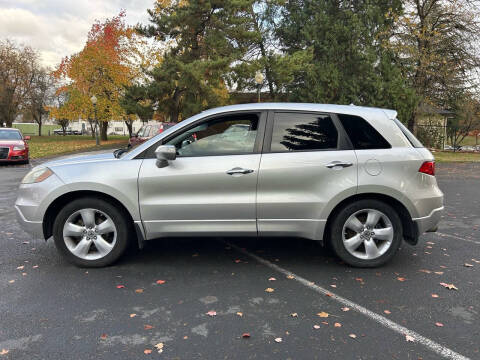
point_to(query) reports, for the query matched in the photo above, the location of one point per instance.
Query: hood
(11, 142)
(75, 159)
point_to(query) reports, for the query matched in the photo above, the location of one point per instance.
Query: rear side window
(413, 140)
(303, 132)
(362, 135)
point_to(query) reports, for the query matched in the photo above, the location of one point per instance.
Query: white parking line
(432, 345)
(456, 237)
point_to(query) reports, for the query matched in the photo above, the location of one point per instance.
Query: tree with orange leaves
(111, 59)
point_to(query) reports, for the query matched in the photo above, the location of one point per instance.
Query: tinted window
(413, 140)
(362, 134)
(303, 132)
(225, 135)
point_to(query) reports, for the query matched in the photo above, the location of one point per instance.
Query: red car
(148, 131)
(13, 146)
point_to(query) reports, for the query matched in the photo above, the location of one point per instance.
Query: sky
(58, 28)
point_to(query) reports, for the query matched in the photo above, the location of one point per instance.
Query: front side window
(226, 135)
(303, 132)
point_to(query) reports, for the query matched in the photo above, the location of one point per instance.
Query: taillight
(428, 167)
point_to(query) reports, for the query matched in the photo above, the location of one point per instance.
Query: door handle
(237, 170)
(335, 164)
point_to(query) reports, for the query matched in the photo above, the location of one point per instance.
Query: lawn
(32, 129)
(450, 156)
(41, 146)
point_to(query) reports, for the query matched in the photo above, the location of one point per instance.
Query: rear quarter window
(411, 138)
(362, 135)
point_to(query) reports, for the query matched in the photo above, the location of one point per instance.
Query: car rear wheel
(366, 233)
(91, 232)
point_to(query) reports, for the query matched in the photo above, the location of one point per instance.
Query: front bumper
(35, 228)
(429, 223)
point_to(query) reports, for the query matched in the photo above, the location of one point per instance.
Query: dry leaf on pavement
(120, 286)
(388, 312)
(467, 265)
(449, 286)
(271, 279)
(345, 308)
(409, 338)
(239, 313)
(278, 340)
(139, 291)
(290, 277)
(439, 324)
(147, 351)
(294, 315)
(147, 327)
(159, 347)
(316, 327)
(322, 314)
(133, 315)
(269, 290)
(160, 282)
(245, 335)
(337, 324)
(4, 352)
(212, 313)
(353, 336)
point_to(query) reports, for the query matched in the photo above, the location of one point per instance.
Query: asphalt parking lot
(292, 297)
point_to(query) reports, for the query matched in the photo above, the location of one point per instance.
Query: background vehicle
(13, 146)
(351, 177)
(68, 131)
(148, 131)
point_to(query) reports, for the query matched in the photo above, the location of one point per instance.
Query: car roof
(344, 109)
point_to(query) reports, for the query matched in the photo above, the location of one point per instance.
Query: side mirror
(164, 153)
(26, 137)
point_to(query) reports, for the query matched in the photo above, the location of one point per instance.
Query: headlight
(18, 147)
(37, 175)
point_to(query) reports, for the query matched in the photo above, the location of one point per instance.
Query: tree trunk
(103, 130)
(412, 122)
(40, 128)
(129, 124)
(92, 127)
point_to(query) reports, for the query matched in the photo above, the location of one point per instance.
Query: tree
(17, 69)
(135, 102)
(39, 97)
(437, 42)
(339, 56)
(205, 37)
(103, 68)
(466, 119)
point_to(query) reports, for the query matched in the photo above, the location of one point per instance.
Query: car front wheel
(91, 232)
(366, 233)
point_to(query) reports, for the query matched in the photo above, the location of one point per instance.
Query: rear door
(307, 163)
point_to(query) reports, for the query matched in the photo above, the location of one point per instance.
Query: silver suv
(351, 177)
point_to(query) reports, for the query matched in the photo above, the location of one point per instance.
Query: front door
(210, 188)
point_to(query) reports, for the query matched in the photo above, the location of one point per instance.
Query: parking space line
(430, 344)
(456, 237)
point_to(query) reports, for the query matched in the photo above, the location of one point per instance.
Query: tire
(356, 242)
(103, 240)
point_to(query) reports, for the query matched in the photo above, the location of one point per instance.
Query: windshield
(10, 135)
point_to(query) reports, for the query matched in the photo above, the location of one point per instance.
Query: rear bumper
(35, 228)
(429, 223)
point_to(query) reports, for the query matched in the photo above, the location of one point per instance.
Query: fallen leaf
(147, 327)
(476, 261)
(290, 277)
(359, 279)
(185, 337)
(159, 347)
(271, 279)
(316, 327)
(325, 322)
(212, 313)
(245, 335)
(139, 291)
(388, 312)
(333, 286)
(147, 351)
(434, 295)
(337, 324)
(20, 267)
(160, 282)
(353, 336)
(439, 324)
(449, 286)
(4, 352)
(401, 279)
(294, 315)
(11, 281)
(239, 313)
(238, 261)
(133, 315)
(425, 271)
(467, 265)
(323, 314)
(35, 266)
(409, 338)
(439, 272)
(345, 308)
(269, 290)
(278, 340)
(120, 287)
(103, 336)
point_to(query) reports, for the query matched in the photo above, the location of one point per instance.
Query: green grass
(450, 156)
(32, 129)
(470, 140)
(42, 146)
